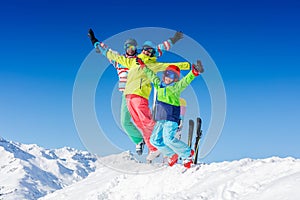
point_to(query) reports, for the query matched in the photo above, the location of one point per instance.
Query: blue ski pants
(163, 138)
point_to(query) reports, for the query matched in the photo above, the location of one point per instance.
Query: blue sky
(255, 45)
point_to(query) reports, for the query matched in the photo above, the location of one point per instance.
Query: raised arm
(166, 45)
(156, 67)
(113, 56)
(185, 81)
(99, 46)
(122, 60)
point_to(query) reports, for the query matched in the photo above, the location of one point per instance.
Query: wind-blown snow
(31, 172)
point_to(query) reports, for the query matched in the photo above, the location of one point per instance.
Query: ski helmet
(172, 71)
(149, 44)
(130, 42)
(150, 47)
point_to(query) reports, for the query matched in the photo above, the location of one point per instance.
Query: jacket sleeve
(152, 76)
(156, 67)
(122, 60)
(103, 48)
(164, 46)
(183, 65)
(185, 81)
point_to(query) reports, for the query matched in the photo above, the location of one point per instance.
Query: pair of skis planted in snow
(198, 136)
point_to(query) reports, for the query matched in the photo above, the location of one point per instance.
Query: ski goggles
(171, 74)
(149, 49)
(132, 47)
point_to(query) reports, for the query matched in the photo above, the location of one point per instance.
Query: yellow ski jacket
(137, 81)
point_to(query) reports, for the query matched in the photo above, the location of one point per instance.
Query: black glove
(140, 62)
(92, 37)
(198, 68)
(178, 35)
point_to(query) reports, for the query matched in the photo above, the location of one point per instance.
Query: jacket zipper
(141, 83)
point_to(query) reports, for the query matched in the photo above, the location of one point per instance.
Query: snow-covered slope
(266, 179)
(30, 172)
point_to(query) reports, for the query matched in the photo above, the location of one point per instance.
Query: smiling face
(171, 75)
(131, 50)
(168, 80)
(148, 51)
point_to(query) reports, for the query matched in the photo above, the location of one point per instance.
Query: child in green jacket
(167, 114)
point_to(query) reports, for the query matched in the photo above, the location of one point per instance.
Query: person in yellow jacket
(138, 88)
(131, 51)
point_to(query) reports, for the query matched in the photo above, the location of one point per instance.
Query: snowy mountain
(30, 172)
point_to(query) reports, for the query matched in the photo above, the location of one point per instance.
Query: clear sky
(255, 45)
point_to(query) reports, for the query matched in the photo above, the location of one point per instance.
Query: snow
(31, 172)
(270, 178)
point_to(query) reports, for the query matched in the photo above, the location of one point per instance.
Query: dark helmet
(130, 42)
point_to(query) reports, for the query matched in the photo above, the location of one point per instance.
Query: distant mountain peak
(22, 165)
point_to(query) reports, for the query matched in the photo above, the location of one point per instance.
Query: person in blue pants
(167, 113)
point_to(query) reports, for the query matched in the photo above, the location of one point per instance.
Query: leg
(157, 139)
(141, 115)
(130, 129)
(179, 147)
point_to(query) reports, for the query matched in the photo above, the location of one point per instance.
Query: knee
(155, 141)
(169, 139)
